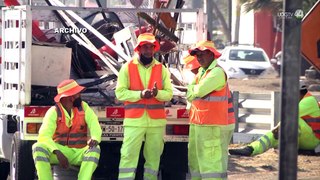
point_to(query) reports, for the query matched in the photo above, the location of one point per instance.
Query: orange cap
(191, 62)
(147, 38)
(205, 45)
(68, 88)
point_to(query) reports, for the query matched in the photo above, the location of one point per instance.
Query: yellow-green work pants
(130, 150)
(208, 151)
(306, 140)
(264, 143)
(86, 158)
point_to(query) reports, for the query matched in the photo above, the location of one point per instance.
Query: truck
(31, 70)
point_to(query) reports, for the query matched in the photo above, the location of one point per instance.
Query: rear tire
(4, 169)
(21, 165)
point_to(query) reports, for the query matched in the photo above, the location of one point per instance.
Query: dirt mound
(266, 166)
(255, 85)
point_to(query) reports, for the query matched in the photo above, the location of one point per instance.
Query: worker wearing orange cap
(191, 63)
(63, 136)
(144, 85)
(211, 116)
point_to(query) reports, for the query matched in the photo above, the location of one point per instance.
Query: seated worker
(309, 128)
(69, 135)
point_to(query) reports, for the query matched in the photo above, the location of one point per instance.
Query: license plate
(112, 129)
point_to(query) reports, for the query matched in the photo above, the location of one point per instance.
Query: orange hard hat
(147, 38)
(191, 62)
(67, 88)
(205, 45)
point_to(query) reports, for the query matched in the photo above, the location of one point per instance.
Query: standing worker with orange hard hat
(144, 85)
(211, 116)
(63, 136)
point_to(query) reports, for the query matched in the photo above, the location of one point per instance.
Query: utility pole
(290, 94)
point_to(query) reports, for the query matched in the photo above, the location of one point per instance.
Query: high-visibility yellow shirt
(309, 106)
(49, 125)
(123, 93)
(214, 80)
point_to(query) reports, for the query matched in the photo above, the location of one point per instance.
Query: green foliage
(307, 5)
(273, 5)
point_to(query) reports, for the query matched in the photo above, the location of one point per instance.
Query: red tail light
(177, 129)
(33, 128)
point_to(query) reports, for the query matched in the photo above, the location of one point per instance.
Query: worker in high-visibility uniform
(69, 135)
(191, 63)
(309, 129)
(211, 116)
(144, 85)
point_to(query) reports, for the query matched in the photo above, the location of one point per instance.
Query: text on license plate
(111, 129)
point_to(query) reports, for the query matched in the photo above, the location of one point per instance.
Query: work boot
(317, 149)
(245, 151)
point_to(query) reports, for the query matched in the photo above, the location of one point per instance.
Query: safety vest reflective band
(144, 106)
(72, 135)
(313, 122)
(72, 142)
(212, 98)
(75, 136)
(154, 108)
(214, 109)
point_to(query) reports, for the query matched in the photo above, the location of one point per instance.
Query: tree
(274, 6)
(219, 12)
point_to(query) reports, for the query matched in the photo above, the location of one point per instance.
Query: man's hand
(63, 161)
(275, 131)
(154, 90)
(146, 94)
(92, 143)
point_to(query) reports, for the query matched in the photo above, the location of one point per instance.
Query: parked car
(276, 62)
(245, 61)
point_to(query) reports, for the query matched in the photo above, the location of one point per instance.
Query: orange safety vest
(215, 108)
(76, 135)
(154, 108)
(313, 122)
